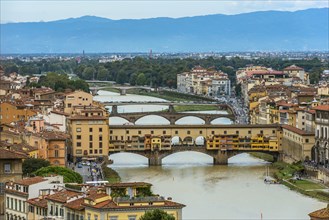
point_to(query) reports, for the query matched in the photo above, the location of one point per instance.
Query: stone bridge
(122, 89)
(220, 157)
(172, 116)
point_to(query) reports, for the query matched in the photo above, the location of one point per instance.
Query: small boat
(268, 179)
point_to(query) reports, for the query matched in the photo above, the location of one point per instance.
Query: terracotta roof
(59, 113)
(81, 117)
(297, 130)
(322, 108)
(9, 154)
(52, 135)
(293, 67)
(95, 196)
(38, 202)
(132, 184)
(320, 214)
(30, 181)
(76, 204)
(63, 196)
(110, 204)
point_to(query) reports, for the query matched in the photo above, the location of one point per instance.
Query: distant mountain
(257, 31)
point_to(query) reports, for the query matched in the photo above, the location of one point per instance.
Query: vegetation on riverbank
(285, 174)
(263, 156)
(110, 175)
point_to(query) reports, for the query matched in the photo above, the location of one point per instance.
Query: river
(235, 191)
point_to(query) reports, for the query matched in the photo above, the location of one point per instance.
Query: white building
(17, 193)
(321, 149)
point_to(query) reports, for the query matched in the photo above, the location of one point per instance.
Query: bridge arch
(180, 120)
(118, 120)
(221, 120)
(188, 140)
(200, 141)
(155, 120)
(129, 157)
(176, 140)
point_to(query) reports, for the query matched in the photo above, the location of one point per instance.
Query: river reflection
(236, 191)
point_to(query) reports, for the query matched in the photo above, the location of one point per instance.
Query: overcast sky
(48, 10)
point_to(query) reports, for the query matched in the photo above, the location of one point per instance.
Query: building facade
(321, 148)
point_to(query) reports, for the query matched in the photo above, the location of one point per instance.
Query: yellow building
(76, 99)
(51, 146)
(127, 201)
(13, 112)
(10, 170)
(296, 144)
(89, 134)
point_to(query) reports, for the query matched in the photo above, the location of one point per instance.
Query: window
(90, 129)
(100, 129)
(249, 132)
(2, 188)
(236, 132)
(7, 168)
(139, 132)
(95, 217)
(261, 131)
(176, 132)
(69, 105)
(100, 145)
(96, 151)
(225, 132)
(111, 131)
(78, 137)
(100, 151)
(306, 140)
(78, 129)
(56, 153)
(212, 132)
(90, 151)
(188, 132)
(131, 217)
(127, 131)
(90, 138)
(163, 132)
(78, 144)
(200, 132)
(152, 132)
(31, 209)
(19, 205)
(61, 212)
(90, 144)
(100, 138)
(273, 131)
(88, 216)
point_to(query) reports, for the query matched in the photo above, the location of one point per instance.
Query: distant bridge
(221, 142)
(172, 116)
(122, 89)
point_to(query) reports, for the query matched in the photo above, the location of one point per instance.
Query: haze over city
(35, 11)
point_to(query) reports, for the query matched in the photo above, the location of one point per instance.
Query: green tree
(88, 73)
(156, 214)
(31, 165)
(102, 73)
(69, 175)
(121, 77)
(141, 79)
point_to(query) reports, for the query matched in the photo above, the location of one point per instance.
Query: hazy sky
(47, 10)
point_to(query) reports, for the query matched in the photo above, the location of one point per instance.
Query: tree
(156, 214)
(88, 73)
(69, 175)
(141, 79)
(31, 165)
(102, 73)
(121, 77)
